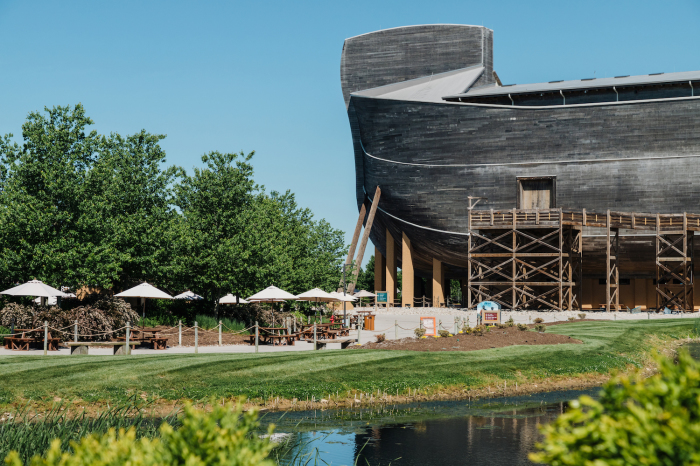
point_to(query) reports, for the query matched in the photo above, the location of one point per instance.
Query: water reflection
(491, 432)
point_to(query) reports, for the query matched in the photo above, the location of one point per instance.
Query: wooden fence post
(75, 332)
(179, 333)
(219, 333)
(46, 336)
(257, 336)
(128, 336)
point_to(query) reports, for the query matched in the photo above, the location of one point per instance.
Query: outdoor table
(270, 336)
(22, 343)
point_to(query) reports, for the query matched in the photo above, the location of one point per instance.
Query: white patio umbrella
(231, 299)
(144, 290)
(188, 295)
(35, 288)
(272, 295)
(344, 298)
(317, 295)
(364, 294)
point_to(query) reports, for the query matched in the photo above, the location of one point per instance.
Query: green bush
(540, 328)
(637, 421)
(582, 315)
(538, 320)
(510, 322)
(571, 319)
(225, 436)
(210, 322)
(522, 327)
(444, 333)
(3, 331)
(419, 332)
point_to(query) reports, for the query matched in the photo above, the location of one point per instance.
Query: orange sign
(429, 325)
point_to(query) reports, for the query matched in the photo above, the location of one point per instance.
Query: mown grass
(606, 346)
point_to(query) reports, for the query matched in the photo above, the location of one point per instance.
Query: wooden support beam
(407, 272)
(365, 238)
(355, 238)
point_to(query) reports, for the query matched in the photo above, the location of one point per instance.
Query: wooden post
(219, 333)
(390, 269)
(355, 237)
(128, 337)
(75, 332)
(46, 337)
(396, 330)
(365, 237)
(561, 259)
(196, 338)
(407, 272)
(179, 333)
(359, 329)
(257, 336)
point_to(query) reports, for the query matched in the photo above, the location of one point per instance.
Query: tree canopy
(82, 209)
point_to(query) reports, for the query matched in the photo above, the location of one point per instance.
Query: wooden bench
(81, 347)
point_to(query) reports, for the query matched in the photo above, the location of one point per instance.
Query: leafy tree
(78, 208)
(637, 421)
(238, 238)
(365, 279)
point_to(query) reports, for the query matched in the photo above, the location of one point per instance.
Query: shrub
(571, 319)
(381, 337)
(636, 421)
(225, 436)
(540, 328)
(487, 328)
(522, 327)
(478, 330)
(444, 333)
(210, 322)
(582, 315)
(466, 330)
(510, 322)
(501, 326)
(3, 331)
(23, 316)
(538, 320)
(419, 332)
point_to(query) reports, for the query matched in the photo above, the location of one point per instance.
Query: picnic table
(281, 335)
(147, 335)
(22, 342)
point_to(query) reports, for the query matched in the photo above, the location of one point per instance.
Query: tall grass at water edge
(31, 433)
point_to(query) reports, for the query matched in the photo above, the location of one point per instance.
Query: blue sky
(264, 76)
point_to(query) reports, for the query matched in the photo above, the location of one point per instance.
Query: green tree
(237, 238)
(77, 208)
(637, 421)
(365, 278)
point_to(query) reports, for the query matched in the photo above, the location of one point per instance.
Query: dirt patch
(496, 338)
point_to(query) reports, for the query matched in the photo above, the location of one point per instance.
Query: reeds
(31, 433)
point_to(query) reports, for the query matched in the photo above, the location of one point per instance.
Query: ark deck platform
(532, 259)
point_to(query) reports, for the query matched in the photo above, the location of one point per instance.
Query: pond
(486, 432)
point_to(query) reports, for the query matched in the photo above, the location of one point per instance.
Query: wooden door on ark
(537, 192)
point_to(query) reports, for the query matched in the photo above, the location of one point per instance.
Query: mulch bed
(496, 338)
(205, 338)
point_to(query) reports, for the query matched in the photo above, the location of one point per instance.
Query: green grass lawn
(607, 346)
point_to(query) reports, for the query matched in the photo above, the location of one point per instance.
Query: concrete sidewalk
(393, 324)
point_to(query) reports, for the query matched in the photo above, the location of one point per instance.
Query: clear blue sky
(264, 76)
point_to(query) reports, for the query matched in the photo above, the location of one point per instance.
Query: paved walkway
(393, 323)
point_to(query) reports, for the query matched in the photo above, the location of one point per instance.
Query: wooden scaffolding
(535, 263)
(532, 259)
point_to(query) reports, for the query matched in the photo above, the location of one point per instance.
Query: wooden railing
(552, 218)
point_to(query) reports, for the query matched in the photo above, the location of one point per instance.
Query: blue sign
(382, 297)
(488, 306)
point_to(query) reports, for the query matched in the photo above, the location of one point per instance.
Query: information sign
(429, 326)
(382, 297)
(492, 317)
